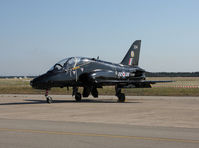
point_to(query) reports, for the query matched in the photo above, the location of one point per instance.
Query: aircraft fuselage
(88, 72)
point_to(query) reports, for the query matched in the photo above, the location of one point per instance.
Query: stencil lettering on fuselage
(135, 46)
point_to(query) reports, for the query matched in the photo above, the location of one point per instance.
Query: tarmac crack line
(98, 135)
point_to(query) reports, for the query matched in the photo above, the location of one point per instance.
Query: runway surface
(47, 134)
(152, 122)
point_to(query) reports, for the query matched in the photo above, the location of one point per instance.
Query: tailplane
(132, 56)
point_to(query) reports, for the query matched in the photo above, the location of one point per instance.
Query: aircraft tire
(94, 92)
(121, 97)
(49, 99)
(86, 92)
(78, 97)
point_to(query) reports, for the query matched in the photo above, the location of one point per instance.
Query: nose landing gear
(48, 98)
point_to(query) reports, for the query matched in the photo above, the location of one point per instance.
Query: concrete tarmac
(27, 121)
(50, 134)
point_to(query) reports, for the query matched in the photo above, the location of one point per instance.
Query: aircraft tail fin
(132, 56)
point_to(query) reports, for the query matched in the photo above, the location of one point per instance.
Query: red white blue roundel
(123, 74)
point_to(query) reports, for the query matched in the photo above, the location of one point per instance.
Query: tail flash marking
(130, 61)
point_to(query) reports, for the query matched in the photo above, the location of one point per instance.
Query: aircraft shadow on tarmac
(31, 101)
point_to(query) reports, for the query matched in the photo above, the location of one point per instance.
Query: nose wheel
(48, 98)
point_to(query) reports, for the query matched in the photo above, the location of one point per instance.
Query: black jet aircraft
(91, 73)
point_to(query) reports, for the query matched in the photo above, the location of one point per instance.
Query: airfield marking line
(99, 135)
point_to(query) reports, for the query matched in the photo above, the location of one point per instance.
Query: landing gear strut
(78, 96)
(48, 98)
(121, 96)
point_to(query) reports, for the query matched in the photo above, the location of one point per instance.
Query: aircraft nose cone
(34, 83)
(39, 82)
(31, 83)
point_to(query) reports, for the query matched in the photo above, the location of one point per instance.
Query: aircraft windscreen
(71, 63)
(59, 64)
(62, 62)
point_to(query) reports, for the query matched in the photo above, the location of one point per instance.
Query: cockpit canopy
(69, 63)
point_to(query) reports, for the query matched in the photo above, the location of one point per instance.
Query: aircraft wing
(143, 84)
(108, 78)
(130, 83)
(153, 82)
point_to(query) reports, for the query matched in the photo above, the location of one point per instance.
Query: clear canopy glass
(59, 65)
(67, 63)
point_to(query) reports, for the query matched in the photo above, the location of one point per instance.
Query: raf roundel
(132, 54)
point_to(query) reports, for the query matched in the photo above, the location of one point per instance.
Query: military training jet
(92, 73)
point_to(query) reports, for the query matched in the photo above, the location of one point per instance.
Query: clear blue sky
(35, 34)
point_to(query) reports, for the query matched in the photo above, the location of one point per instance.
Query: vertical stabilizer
(132, 56)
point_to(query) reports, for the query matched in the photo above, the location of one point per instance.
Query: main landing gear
(78, 96)
(48, 98)
(121, 96)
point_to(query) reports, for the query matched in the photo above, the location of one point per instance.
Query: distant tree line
(17, 77)
(172, 74)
